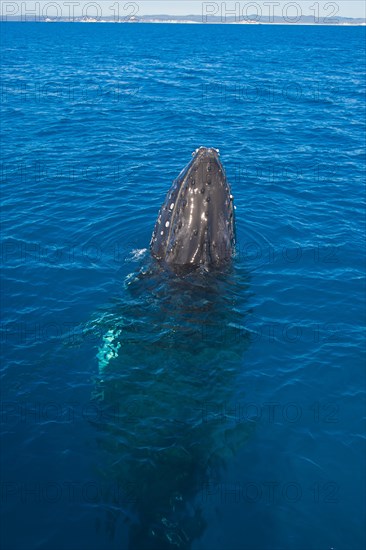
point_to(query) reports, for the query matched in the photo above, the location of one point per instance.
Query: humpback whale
(196, 224)
(169, 366)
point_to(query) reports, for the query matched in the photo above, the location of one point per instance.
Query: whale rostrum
(196, 223)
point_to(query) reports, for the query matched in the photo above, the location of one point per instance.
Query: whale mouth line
(196, 224)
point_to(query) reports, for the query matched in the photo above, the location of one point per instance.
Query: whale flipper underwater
(196, 224)
(169, 366)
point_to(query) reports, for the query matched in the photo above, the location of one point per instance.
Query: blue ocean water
(154, 411)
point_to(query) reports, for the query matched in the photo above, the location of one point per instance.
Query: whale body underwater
(196, 223)
(170, 357)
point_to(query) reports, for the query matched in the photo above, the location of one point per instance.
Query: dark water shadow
(169, 366)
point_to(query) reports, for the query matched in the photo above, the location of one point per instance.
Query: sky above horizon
(342, 8)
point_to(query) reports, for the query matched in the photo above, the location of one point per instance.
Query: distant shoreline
(173, 22)
(189, 19)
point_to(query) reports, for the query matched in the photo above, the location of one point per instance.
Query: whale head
(196, 224)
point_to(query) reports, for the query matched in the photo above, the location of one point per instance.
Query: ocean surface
(143, 410)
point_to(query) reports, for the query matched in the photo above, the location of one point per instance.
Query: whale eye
(209, 168)
(208, 199)
(195, 232)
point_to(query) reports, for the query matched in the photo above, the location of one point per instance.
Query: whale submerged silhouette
(169, 366)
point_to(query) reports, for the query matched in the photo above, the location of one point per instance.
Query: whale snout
(209, 152)
(196, 222)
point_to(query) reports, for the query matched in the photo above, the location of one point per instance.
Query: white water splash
(136, 254)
